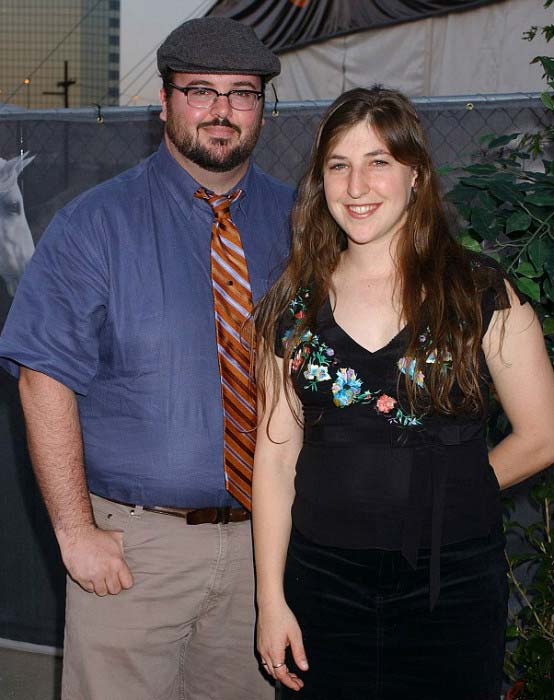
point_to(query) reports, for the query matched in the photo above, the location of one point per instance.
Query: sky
(144, 25)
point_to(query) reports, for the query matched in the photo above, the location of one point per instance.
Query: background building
(45, 43)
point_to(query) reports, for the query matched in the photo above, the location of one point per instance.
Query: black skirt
(369, 632)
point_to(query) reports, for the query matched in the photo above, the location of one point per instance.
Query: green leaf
(527, 269)
(494, 254)
(548, 326)
(548, 287)
(481, 220)
(544, 187)
(539, 212)
(519, 221)
(539, 647)
(549, 262)
(548, 30)
(502, 140)
(505, 162)
(461, 195)
(540, 198)
(475, 181)
(538, 252)
(547, 64)
(546, 99)
(538, 492)
(487, 201)
(529, 287)
(505, 192)
(480, 169)
(507, 176)
(464, 210)
(486, 138)
(543, 178)
(469, 242)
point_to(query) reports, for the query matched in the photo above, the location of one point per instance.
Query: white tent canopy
(478, 51)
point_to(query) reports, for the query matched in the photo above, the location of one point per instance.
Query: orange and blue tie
(235, 345)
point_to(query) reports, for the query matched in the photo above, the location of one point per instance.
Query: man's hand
(94, 559)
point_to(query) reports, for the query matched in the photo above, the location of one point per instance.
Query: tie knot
(220, 203)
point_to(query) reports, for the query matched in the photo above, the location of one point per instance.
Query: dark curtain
(289, 24)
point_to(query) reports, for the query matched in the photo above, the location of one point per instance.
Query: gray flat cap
(216, 45)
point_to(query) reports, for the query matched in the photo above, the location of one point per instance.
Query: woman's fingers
(284, 676)
(270, 666)
(279, 670)
(297, 649)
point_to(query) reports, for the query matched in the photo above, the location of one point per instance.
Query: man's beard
(188, 145)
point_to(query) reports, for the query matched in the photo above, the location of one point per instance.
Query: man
(115, 329)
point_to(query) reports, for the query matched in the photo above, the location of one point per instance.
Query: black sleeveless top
(371, 474)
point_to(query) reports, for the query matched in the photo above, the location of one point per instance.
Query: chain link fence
(76, 149)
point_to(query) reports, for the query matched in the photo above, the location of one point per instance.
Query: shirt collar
(182, 186)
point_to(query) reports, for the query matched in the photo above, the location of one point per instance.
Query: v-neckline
(328, 310)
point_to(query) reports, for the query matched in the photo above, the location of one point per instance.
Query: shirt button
(230, 283)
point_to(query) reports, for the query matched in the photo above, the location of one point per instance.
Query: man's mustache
(219, 122)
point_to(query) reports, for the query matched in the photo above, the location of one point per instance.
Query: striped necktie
(235, 345)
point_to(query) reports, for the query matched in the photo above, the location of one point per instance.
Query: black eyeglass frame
(186, 89)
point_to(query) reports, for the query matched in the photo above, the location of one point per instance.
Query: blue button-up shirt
(117, 304)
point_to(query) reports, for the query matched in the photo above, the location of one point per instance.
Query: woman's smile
(362, 211)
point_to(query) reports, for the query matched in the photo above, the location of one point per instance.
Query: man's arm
(93, 557)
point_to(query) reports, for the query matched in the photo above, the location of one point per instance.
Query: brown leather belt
(195, 516)
(201, 516)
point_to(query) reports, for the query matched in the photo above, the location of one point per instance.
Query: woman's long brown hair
(437, 288)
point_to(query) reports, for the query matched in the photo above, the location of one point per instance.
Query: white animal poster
(16, 241)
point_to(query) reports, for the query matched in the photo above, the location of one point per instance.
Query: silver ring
(276, 666)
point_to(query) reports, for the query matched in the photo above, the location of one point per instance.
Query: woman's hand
(278, 629)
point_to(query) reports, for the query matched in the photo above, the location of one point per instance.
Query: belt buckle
(212, 516)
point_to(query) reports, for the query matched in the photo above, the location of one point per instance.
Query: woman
(388, 581)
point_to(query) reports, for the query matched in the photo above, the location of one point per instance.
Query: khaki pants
(184, 631)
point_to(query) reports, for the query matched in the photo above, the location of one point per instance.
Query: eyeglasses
(204, 97)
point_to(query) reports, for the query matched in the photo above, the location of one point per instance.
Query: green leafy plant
(531, 662)
(509, 211)
(506, 203)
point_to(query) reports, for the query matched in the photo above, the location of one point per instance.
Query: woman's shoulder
(493, 284)
(491, 280)
(485, 268)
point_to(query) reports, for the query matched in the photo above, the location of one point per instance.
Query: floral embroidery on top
(407, 365)
(318, 361)
(347, 389)
(317, 373)
(385, 403)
